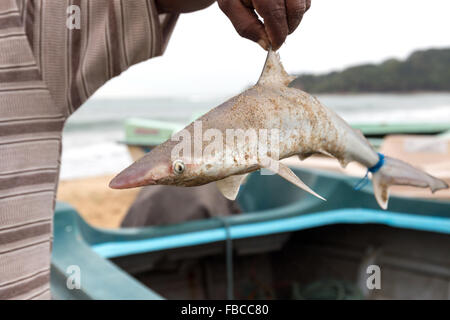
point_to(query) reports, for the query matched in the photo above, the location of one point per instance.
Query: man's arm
(182, 6)
(280, 17)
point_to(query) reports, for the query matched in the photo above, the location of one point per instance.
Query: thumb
(245, 21)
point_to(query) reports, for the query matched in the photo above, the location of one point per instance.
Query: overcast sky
(206, 57)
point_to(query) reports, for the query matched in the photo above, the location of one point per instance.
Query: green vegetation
(427, 70)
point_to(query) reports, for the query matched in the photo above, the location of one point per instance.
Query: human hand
(281, 17)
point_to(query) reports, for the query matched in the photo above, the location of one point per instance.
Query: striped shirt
(47, 71)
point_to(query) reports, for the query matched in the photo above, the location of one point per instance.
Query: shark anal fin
(229, 186)
(286, 173)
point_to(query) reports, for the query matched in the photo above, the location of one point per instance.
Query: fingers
(245, 21)
(275, 20)
(281, 18)
(295, 10)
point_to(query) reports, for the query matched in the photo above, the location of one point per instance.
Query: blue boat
(286, 245)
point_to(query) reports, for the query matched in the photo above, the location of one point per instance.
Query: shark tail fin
(397, 172)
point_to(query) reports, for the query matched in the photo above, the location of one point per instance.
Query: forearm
(182, 6)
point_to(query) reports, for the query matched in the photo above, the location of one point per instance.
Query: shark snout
(149, 170)
(132, 178)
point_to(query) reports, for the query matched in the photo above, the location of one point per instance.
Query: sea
(92, 136)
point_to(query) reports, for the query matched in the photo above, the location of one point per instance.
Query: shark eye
(178, 167)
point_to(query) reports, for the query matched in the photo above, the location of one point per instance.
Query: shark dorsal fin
(273, 71)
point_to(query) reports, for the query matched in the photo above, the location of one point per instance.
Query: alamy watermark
(74, 17)
(250, 146)
(374, 280)
(74, 277)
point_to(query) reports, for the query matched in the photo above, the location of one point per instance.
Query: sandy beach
(98, 204)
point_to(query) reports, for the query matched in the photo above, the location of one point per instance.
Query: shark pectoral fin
(229, 187)
(286, 173)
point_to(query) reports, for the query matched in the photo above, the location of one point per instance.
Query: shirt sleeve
(81, 44)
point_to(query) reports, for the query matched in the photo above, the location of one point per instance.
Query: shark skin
(303, 127)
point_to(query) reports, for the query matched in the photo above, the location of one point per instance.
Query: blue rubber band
(378, 165)
(363, 182)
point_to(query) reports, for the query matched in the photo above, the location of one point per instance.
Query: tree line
(425, 70)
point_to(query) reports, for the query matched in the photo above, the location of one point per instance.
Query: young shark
(303, 125)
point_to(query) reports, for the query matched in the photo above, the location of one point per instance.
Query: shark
(268, 122)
